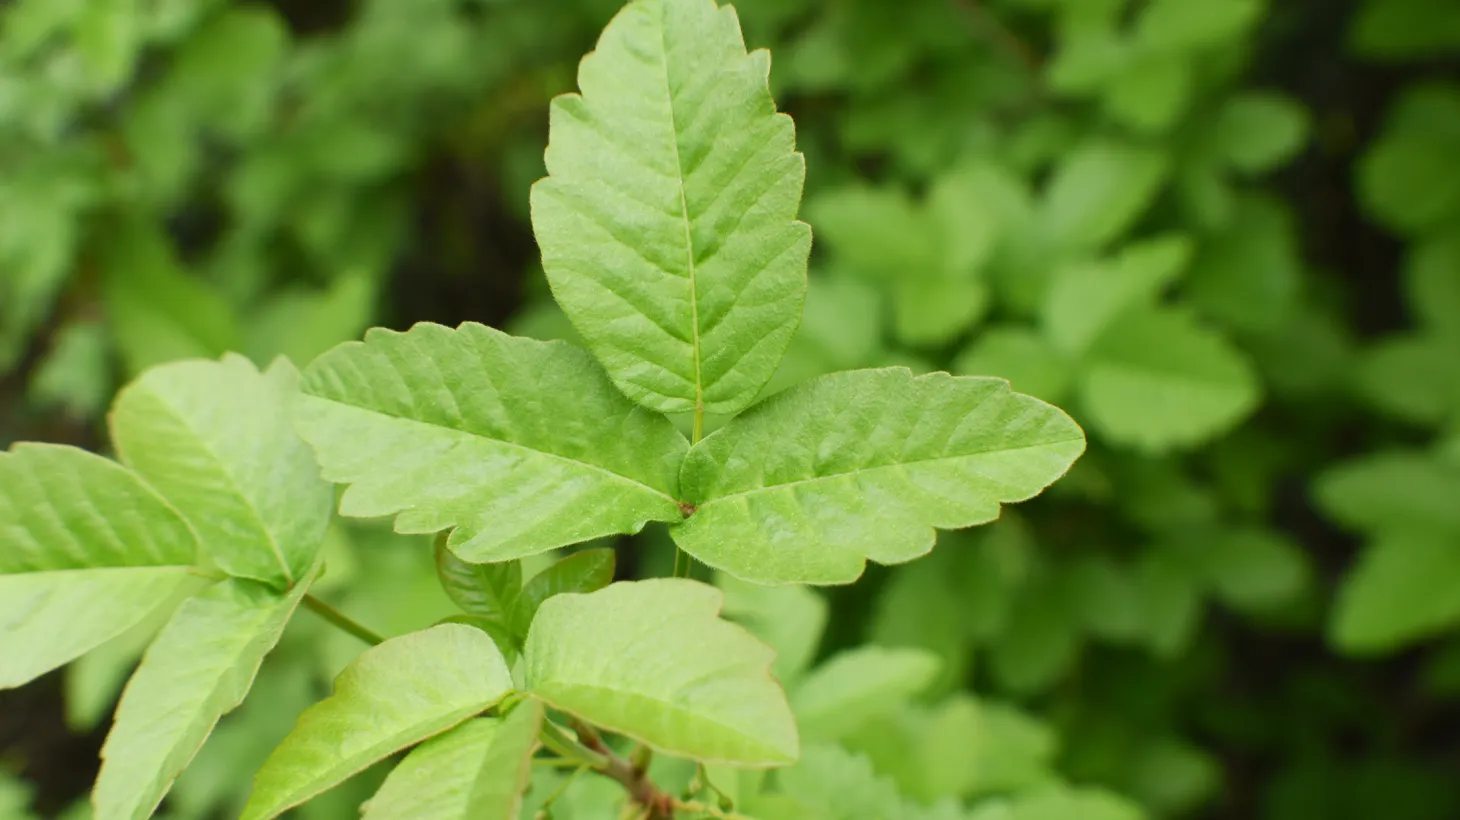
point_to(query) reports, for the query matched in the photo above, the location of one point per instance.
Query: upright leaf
(1404, 588)
(487, 591)
(667, 222)
(398, 693)
(811, 483)
(476, 771)
(584, 571)
(521, 445)
(1098, 190)
(199, 668)
(88, 552)
(215, 438)
(860, 685)
(651, 660)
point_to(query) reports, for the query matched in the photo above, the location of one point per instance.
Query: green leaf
(48, 619)
(1407, 179)
(1158, 380)
(1393, 491)
(396, 694)
(1085, 299)
(1016, 752)
(521, 446)
(476, 771)
(878, 232)
(1040, 642)
(215, 439)
(789, 619)
(812, 482)
(1255, 569)
(1406, 29)
(709, 696)
(1020, 355)
(301, 325)
(1098, 191)
(485, 591)
(199, 668)
(1151, 94)
(1066, 804)
(667, 221)
(933, 753)
(830, 783)
(1179, 25)
(858, 686)
(1432, 284)
(932, 312)
(1171, 599)
(1404, 588)
(1248, 273)
(1258, 131)
(584, 571)
(1106, 597)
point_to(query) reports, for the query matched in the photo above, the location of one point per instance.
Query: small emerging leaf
(584, 571)
(394, 695)
(484, 591)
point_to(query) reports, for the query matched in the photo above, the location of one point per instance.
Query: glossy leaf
(667, 221)
(394, 695)
(485, 591)
(584, 571)
(215, 438)
(521, 446)
(199, 668)
(476, 771)
(812, 482)
(652, 660)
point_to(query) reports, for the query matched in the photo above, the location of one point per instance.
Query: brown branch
(634, 779)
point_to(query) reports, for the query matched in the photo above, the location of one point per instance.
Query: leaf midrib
(896, 465)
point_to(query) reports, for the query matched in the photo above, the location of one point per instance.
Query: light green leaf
(476, 771)
(1016, 752)
(857, 686)
(812, 482)
(1254, 568)
(830, 783)
(1151, 93)
(1158, 380)
(64, 508)
(48, 619)
(522, 446)
(216, 440)
(667, 221)
(486, 591)
(1404, 588)
(1020, 355)
(200, 668)
(933, 753)
(584, 571)
(1180, 25)
(394, 695)
(301, 325)
(789, 619)
(1258, 131)
(1067, 804)
(1085, 299)
(878, 232)
(651, 660)
(1098, 190)
(933, 312)
(1393, 491)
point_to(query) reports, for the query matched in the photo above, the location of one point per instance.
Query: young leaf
(857, 686)
(583, 571)
(216, 440)
(398, 693)
(198, 669)
(89, 551)
(476, 771)
(812, 482)
(522, 446)
(667, 222)
(48, 619)
(485, 591)
(651, 660)
(1158, 380)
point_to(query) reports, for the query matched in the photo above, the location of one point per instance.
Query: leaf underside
(668, 220)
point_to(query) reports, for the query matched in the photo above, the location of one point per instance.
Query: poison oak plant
(669, 236)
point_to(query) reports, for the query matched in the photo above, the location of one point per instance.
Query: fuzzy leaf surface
(394, 695)
(216, 440)
(811, 483)
(476, 771)
(667, 221)
(652, 660)
(199, 668)
(521, 446)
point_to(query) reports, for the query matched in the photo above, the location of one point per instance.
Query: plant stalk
(657, 804)
(341, 620)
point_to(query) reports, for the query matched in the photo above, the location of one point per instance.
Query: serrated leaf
(814, 481)
(1098, 190)
(584, 571)
(667, 220)
(476, 771)
(215, 439)
(1158, 380)
(396, 694)
(1404, 588)
(651, 660)
(1085, 299)
(199, 668)
(485, 591)
(1259, 131)
(48, 619)
(857, 686)
(522, 446)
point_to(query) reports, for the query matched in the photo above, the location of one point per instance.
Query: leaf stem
(341, 620)
(642, 791)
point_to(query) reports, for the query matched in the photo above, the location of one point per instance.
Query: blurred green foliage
(1243, 602)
